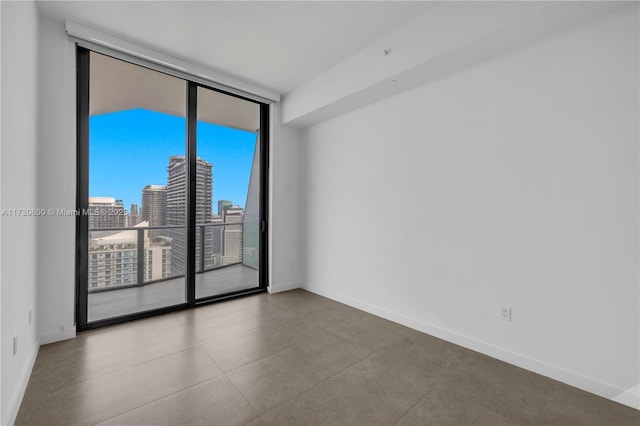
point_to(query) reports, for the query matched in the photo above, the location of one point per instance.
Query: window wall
(171, 192)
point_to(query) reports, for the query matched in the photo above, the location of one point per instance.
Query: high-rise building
(177, 208)
(223, 206)
(106, 212)
(154, 207)
(154, 204)
(133, 218)
(233, 235)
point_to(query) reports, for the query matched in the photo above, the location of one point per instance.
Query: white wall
(510, 183)
(284, 273)
(56, 183)
(18, 167)
(1, 334)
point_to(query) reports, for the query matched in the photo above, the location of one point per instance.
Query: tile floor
(292, 358)
(113, 303)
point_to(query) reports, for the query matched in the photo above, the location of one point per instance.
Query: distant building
(113, 259)
(106, 212)
(133, 218)
(232, 242)
(216, 233)
(223, 206)
(154, 207)
(177, 208)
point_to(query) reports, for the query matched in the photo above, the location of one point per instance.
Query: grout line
(275, 353)
(124, 367)
(158, 399)
(422, 398)
(260, 324)
(137, 323)
(322, 331)
(243, 396)
(178, 391)
(372, 354)
(316, 385)
(224, 374)
(211, 358)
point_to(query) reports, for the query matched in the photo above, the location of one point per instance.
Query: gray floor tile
(443, 407)
(277, 378)
(376, 391)
(234, 351)
(103, 397)
(225, 326)
(372, 332)
(302, 301)
(253, 305)
(571, 406)
(117, 334)
(290, 359)
(214, 402)
(335, 316)
(58, 368)
(512, 391)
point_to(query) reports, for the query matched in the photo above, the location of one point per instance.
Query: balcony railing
(122, 257)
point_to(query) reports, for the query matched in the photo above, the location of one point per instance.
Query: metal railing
(209, 248)
(202, 228)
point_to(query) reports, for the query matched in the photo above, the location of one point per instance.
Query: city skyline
(114, 256)
(130, 149)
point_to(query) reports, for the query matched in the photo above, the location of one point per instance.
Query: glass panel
(137, 189)
(251, 224)
(228, 169)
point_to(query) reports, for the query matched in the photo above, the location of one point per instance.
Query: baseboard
(16, 399)
(630, 397)
(554, 372)
(279, 288)
(65, 333)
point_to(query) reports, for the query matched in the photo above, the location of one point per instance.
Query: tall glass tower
(177, 209)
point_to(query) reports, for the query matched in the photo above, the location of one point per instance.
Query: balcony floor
(114, 303)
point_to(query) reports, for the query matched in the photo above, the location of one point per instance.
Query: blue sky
(130, 149)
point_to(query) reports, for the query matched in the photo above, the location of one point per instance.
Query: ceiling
(276, 45)
(117, 85)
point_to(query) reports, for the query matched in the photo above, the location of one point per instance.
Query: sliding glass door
(228, 144)
(171, 192)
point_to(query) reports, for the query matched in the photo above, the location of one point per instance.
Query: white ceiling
(277, 45)
(117, 86)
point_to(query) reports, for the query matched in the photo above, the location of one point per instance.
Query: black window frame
(82, 198)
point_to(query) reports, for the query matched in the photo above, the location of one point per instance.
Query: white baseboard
(279, 288)
(557, 373)
(16, 399)
(65, 333)
(630, 397)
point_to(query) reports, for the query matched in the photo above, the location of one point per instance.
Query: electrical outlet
(15, 345)
(506, 314)
(30, 316)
